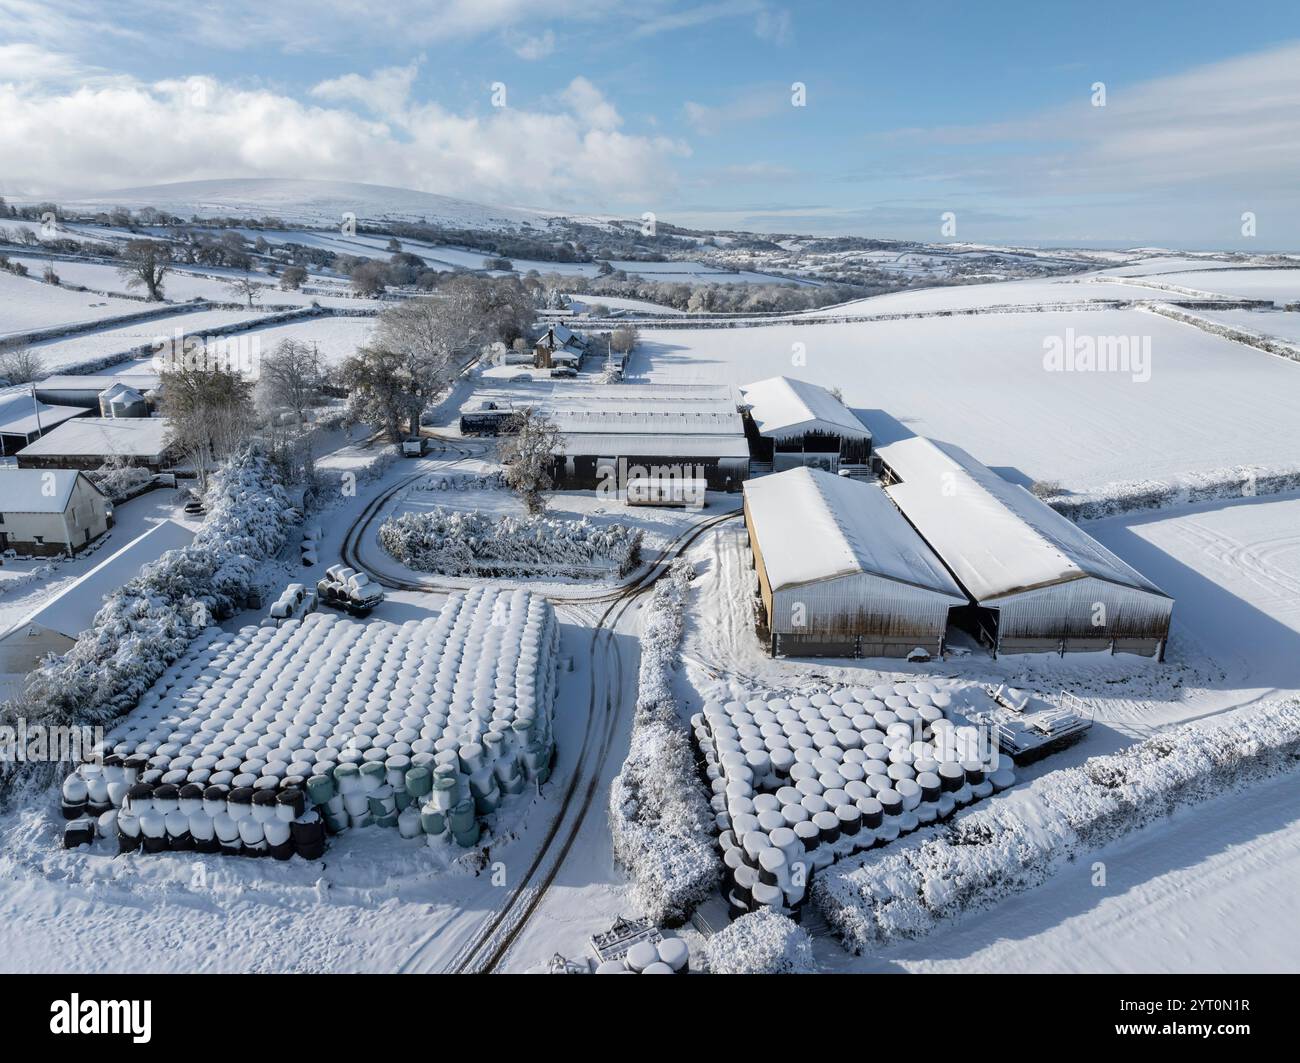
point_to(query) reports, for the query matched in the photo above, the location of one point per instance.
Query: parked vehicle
(347, 589)
(413, 448)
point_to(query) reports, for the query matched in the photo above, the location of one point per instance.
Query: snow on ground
(980, 382)
(28, 304)
(86, 346)
(582, 303)
(337, 338)
(1279, 285)
(1001, 293)
(1210, 889)
(1279, 324)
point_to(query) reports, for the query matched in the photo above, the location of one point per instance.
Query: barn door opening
(973, 626)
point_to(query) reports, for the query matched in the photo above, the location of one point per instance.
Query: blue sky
(685, 109)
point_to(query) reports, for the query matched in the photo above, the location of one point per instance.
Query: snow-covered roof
(813, 526)
(687, 422)
(36, 490)
(121, 390)
(73, 609)
(783, 407)
(20, 415)
(995, 536)
(665, 445)
(141, 381)
(127, 437)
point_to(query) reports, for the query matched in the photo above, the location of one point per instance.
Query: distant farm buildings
(1036, 580)
(840, 572)
(791, 423)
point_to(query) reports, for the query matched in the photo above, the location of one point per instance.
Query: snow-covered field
(336, 338)
(1279, 285)
(87, 346)
(980, 382)
(27, 304)
(1279, 324)
(977, 296)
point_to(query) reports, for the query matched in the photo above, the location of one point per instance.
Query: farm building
(24, 418)
(54, 627)
(657, 431)
(1037, 580)
(791, 423)
(88, 442)
(841, 573)
(84, 390)
(690, 429)
(558, 346)
(49, 512)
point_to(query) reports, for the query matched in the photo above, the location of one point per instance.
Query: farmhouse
(1037, 580)
(841, 573)
(88, 442)
(54, 627)
(24, 418)
(57, 511)
(790, 423)
(560, 345)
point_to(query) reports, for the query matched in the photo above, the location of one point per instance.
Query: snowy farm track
(492, 940)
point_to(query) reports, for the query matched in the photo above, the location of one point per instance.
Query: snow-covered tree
(529, 456)
(209, 414)
(762, 942)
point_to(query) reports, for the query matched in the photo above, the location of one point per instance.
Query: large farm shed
(1038, 581)
(25, 417)
(88, 442)
(841, 572)
(664, 430)
(792, 423)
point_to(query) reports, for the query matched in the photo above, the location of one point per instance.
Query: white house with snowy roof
(50, 511)
(792, 423)
(54, 626)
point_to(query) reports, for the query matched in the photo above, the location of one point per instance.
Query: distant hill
(309, 202)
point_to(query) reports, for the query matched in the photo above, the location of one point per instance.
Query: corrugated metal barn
(792, 423)
(1038, 581)
(841, 572)
(666, 431)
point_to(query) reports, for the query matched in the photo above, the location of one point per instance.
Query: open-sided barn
(1039, 582)
(792, 423)
(841, 572)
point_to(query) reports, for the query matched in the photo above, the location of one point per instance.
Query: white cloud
(124, 133)
(590, 105)
(1229, 127)
(534, 46)
(385, 92)
(753, 104)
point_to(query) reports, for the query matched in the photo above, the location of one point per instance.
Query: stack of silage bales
(263, 741)
(800, 782)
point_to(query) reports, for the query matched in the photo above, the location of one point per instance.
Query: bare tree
(292, 278)
(529, 456)
(291, 377)
(369, 278)
(144, 265)
(246, 289)
(209, 413)
(624, 339)
(18, 365)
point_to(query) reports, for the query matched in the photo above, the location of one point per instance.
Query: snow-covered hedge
(762, 942)
(473, 543)
(659, 811)
(1269, 344)
(995, 851)
(150, 621)
(1114, 499)
(120, 481)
